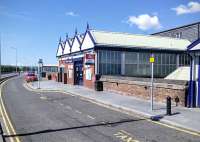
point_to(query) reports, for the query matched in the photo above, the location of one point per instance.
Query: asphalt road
(57, 117)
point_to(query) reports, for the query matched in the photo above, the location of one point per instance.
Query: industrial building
(190, 32)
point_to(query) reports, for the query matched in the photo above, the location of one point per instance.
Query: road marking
(61, 104)
(176, 128)
(43, 97)
(78, 112)
(91, 117)
(116, 109)
(7, 129)
(68, 107)
(6, 117)
(147, 119)
(125, 136)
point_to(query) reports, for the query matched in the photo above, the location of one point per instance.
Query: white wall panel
(76, 45)
(87, 43)
(60, 50)
(67, 48)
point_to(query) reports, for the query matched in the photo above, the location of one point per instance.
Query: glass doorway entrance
(78, 72)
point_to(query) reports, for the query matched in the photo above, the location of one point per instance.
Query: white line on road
(61, 104)
(68, 107)
(78, 111)
(43, 97)
(91, 117)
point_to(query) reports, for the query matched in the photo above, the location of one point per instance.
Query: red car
(29, 77)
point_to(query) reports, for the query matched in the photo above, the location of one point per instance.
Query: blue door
(78, 72)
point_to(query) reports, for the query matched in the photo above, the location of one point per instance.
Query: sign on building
(89, 59)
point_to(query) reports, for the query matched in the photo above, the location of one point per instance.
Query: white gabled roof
(76, 44)
(80, 37)
(70, 41)
(87, 42)
(67, 48)
(197, 47)
(138, 41)
(60, 49)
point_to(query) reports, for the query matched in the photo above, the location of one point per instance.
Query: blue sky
(34, 26)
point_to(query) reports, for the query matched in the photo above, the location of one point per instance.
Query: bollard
(169, 112)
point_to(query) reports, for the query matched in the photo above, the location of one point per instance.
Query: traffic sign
(151, 59)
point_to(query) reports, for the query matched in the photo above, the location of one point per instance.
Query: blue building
(193, 99)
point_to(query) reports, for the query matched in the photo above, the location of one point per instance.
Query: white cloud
(22, 15)
(144, 22)
(191, 7)
(70, 13)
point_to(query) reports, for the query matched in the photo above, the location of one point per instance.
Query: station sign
(69, 60)
(89, 59)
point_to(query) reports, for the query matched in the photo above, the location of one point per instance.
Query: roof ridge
(177, 27)
(125, 33)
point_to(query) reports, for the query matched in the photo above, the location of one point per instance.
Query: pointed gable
(87, 41)
(60, 49)
(67, 48)
(76, 44)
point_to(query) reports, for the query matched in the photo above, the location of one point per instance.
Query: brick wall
(54, 75)
(70, 73)
(141, 89)
(89, 83)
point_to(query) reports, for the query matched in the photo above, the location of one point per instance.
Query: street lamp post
(15, 57)
(40, 64)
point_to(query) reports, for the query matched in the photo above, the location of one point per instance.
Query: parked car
(29, 77)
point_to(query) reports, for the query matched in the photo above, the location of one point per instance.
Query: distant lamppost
(40, 64)
(15, 57)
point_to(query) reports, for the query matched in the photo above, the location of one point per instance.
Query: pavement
(59, 117)
(187, 118)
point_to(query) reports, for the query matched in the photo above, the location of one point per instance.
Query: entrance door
(60, 75)
(78, 73)
(65, 78)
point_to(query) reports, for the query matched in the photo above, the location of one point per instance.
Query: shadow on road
(109, 124)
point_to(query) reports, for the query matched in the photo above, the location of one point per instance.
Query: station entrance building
(118, 54)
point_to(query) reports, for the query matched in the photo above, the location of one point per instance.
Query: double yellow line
(7, 122)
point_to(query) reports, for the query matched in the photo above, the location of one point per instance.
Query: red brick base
(142, 90)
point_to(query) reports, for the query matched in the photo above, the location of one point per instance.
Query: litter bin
(97, 76)
(98, 85)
